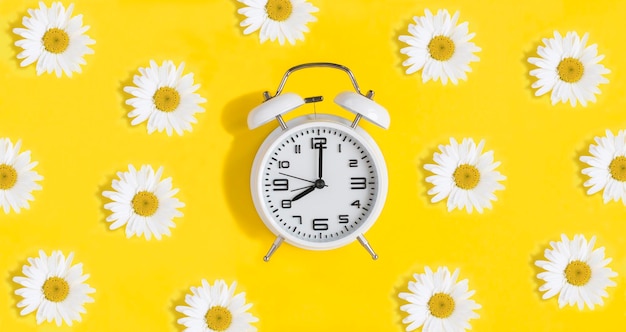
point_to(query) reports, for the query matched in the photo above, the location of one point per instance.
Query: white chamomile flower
(277, 19)
(607, 167)
(569, 69)
(54, 39)
(54, 287)
(439, 303)
(165, 98)
(576, 272)
(17, 178)
(464, 175)
(439, 47)
(216, 308)
(143, 202)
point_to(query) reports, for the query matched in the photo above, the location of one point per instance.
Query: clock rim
(297, 124)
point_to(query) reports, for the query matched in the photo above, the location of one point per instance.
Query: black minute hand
(319, 166)
(304, 193)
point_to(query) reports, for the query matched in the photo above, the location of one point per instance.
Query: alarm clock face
(319, 184)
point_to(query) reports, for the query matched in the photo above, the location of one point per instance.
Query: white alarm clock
(319, 181)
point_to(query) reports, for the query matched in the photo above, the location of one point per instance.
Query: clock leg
(275, 245)
(367, 246)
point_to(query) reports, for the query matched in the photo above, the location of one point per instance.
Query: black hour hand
(304, 193)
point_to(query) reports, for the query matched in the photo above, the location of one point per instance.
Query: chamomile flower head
(465, 175)
(54, 39)
(437, 302)
(277, 19)
(439, 47)
(53, 287)
(17, 177)
(576, 272)
(143, 203)
(607, 167)
(569, 68)
(164, 98)
(216, 308)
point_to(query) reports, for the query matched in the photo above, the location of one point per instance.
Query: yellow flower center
(466, 176)
(8, 176)
(441, 305)
(145, 203)
(218, 318)
(578, 273)
(55, 289)
(56, 40)
(570, 70)
(617, 168)
(278, 10)
(166, 99)
(441, 48)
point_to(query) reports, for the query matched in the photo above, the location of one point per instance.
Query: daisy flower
(464, 175)
(165, 98)
(54, 287)
(569, 69)
(437, 302)
(440, 47)
(607, 167)
(54, 39)
(17, 179)
(143, 202)
(277, 19)
(216, 308)
(576, 272)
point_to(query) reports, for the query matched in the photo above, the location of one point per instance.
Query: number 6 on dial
(319, 182)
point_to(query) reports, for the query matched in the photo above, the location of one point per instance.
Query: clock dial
(319, 183)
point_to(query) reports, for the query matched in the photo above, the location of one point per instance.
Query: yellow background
(78, 131)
